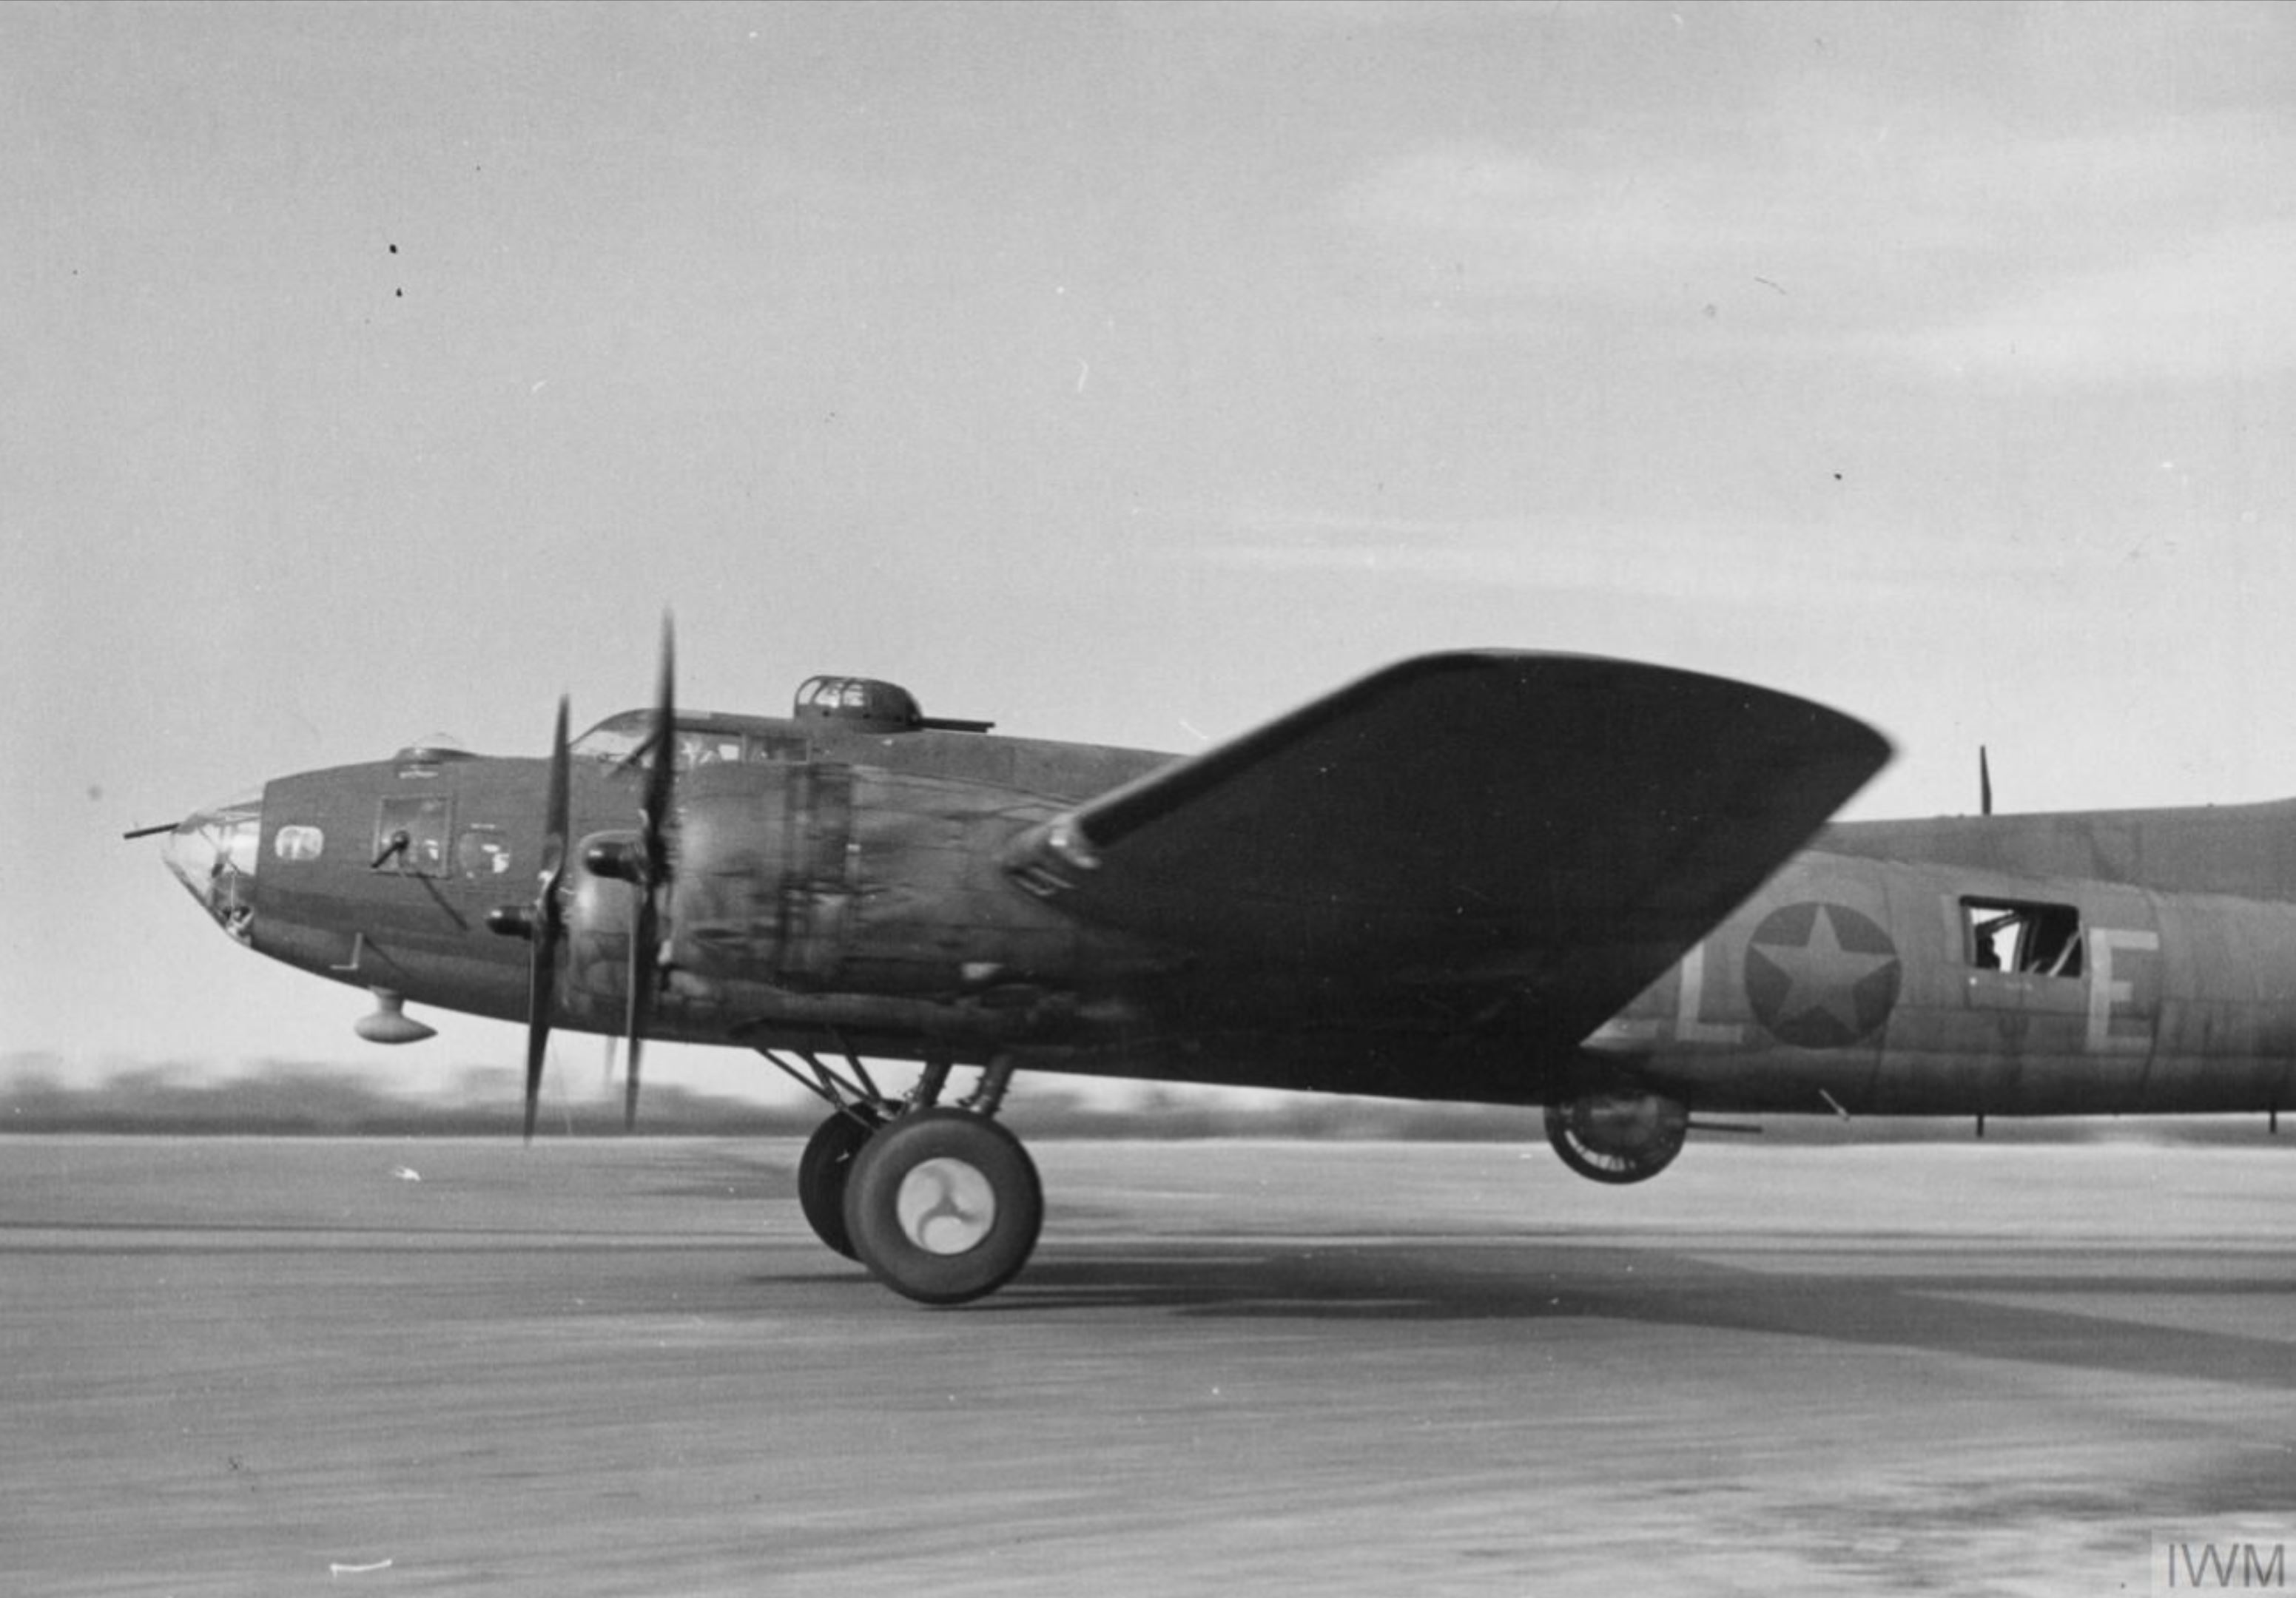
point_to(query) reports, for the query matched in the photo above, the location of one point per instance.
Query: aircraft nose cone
(213, 853)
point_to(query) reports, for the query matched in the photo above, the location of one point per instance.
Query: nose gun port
(213, 853)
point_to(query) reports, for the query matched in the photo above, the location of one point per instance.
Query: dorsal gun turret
(867, 705)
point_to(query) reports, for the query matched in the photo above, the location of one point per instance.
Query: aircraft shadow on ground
(1933, 1311)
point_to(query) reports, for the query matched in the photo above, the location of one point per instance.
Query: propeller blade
(662, 773)
(537, 1026)
(646, 935)
(549, 921)
(640, 1002)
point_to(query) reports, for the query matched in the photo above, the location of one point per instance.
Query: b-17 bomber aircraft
(1602, 888)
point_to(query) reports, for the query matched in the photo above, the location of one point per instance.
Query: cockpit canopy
(858, 704)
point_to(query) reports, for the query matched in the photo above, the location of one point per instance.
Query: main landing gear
(939, 1201)
(944, 1206)
(822, 1174)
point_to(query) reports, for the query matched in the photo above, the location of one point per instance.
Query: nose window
(213, 853)
(298, 844)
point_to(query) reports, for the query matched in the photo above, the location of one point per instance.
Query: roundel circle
(1820, 975)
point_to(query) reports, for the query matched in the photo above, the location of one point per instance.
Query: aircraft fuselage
(1492, 876)
(861, 886)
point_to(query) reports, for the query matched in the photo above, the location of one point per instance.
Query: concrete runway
(268, 1366)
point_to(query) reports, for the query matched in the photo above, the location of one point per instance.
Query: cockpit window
(766, 747)
(622, 739)
(616, 739)
(708, 749)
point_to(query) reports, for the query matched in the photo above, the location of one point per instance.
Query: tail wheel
(1618, 1138)
(943, 1205)
(825, 1171)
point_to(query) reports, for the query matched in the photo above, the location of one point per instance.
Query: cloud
(1483, 222)
(2206, 308)
(1713, 564)
(1355, 16)
(2149, 249)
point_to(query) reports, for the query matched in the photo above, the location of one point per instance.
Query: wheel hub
(946, 1206)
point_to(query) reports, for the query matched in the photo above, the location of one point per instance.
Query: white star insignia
(1822, 977)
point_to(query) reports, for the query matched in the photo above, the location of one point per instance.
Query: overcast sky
(1128, 375)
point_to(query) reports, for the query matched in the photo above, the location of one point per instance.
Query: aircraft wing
(1556, 828)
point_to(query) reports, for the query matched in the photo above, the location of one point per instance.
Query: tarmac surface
(258, 1366)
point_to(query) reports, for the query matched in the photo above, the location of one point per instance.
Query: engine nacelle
(1618, 1138)
(601, 908)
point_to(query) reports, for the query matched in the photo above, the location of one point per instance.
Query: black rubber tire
(944, 1206)
(1616, 1165)
(826, 1168)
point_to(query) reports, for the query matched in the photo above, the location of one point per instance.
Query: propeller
(643, 862)
(654, 866)
(544, 923)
